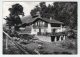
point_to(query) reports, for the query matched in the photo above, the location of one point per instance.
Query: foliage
(16, 9)
(69, 44)
(44, 10)
(65, 12)
(14, 19)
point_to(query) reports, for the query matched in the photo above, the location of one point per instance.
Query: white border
(1, 55)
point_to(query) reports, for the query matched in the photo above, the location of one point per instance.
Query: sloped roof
(29, 19)
(52, 21)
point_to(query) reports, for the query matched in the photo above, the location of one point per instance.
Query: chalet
(39, 25)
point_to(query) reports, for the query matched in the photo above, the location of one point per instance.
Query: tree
(14, 19)
(41, 8)
(34, 11)
(45, 11)
(66, 12)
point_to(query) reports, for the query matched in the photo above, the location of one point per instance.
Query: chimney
(50, 18)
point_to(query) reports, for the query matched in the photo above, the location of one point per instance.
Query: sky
(27, 7)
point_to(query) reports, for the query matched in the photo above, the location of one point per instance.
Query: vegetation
(14, 19)
(65, 12)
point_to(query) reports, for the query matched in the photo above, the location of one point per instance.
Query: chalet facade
(40, 25)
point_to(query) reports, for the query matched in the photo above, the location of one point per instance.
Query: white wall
(49, 28)
(43, 30)
(61, 30)
(33, 31)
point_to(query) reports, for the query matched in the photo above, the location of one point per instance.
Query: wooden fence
(17, 45)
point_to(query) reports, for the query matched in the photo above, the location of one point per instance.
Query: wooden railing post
(17, 45)
(55, 38)
(6, 42)
(60, 38)
(64, 37)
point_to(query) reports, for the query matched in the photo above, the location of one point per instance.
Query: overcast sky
(28, 6)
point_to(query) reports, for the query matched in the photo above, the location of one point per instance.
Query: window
(35, 30)
(46, 24)
(55, 25)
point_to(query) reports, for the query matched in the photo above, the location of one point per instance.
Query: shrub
(69, 44)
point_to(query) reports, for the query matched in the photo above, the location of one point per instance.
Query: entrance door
(53, 31)
(39, 31)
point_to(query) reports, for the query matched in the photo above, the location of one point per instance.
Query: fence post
(55, 38)
(6, 42)
(64, 37)
(60, 38)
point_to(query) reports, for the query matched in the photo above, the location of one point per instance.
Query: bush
(69, 44)
(72, 34)
(27, 37)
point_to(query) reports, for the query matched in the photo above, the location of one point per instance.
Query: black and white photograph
(39, 27)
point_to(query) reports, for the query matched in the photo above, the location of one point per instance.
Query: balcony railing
(40, 26)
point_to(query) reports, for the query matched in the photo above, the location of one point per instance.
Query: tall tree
(45, 11)
(34, 11)
(41, 8)
(66, 12)
(14, 19)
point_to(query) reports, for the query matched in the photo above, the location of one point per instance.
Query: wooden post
(49, 28)
(32, 30)
(55, 39)
(60, 38)
(64, 37)
(6, 42)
